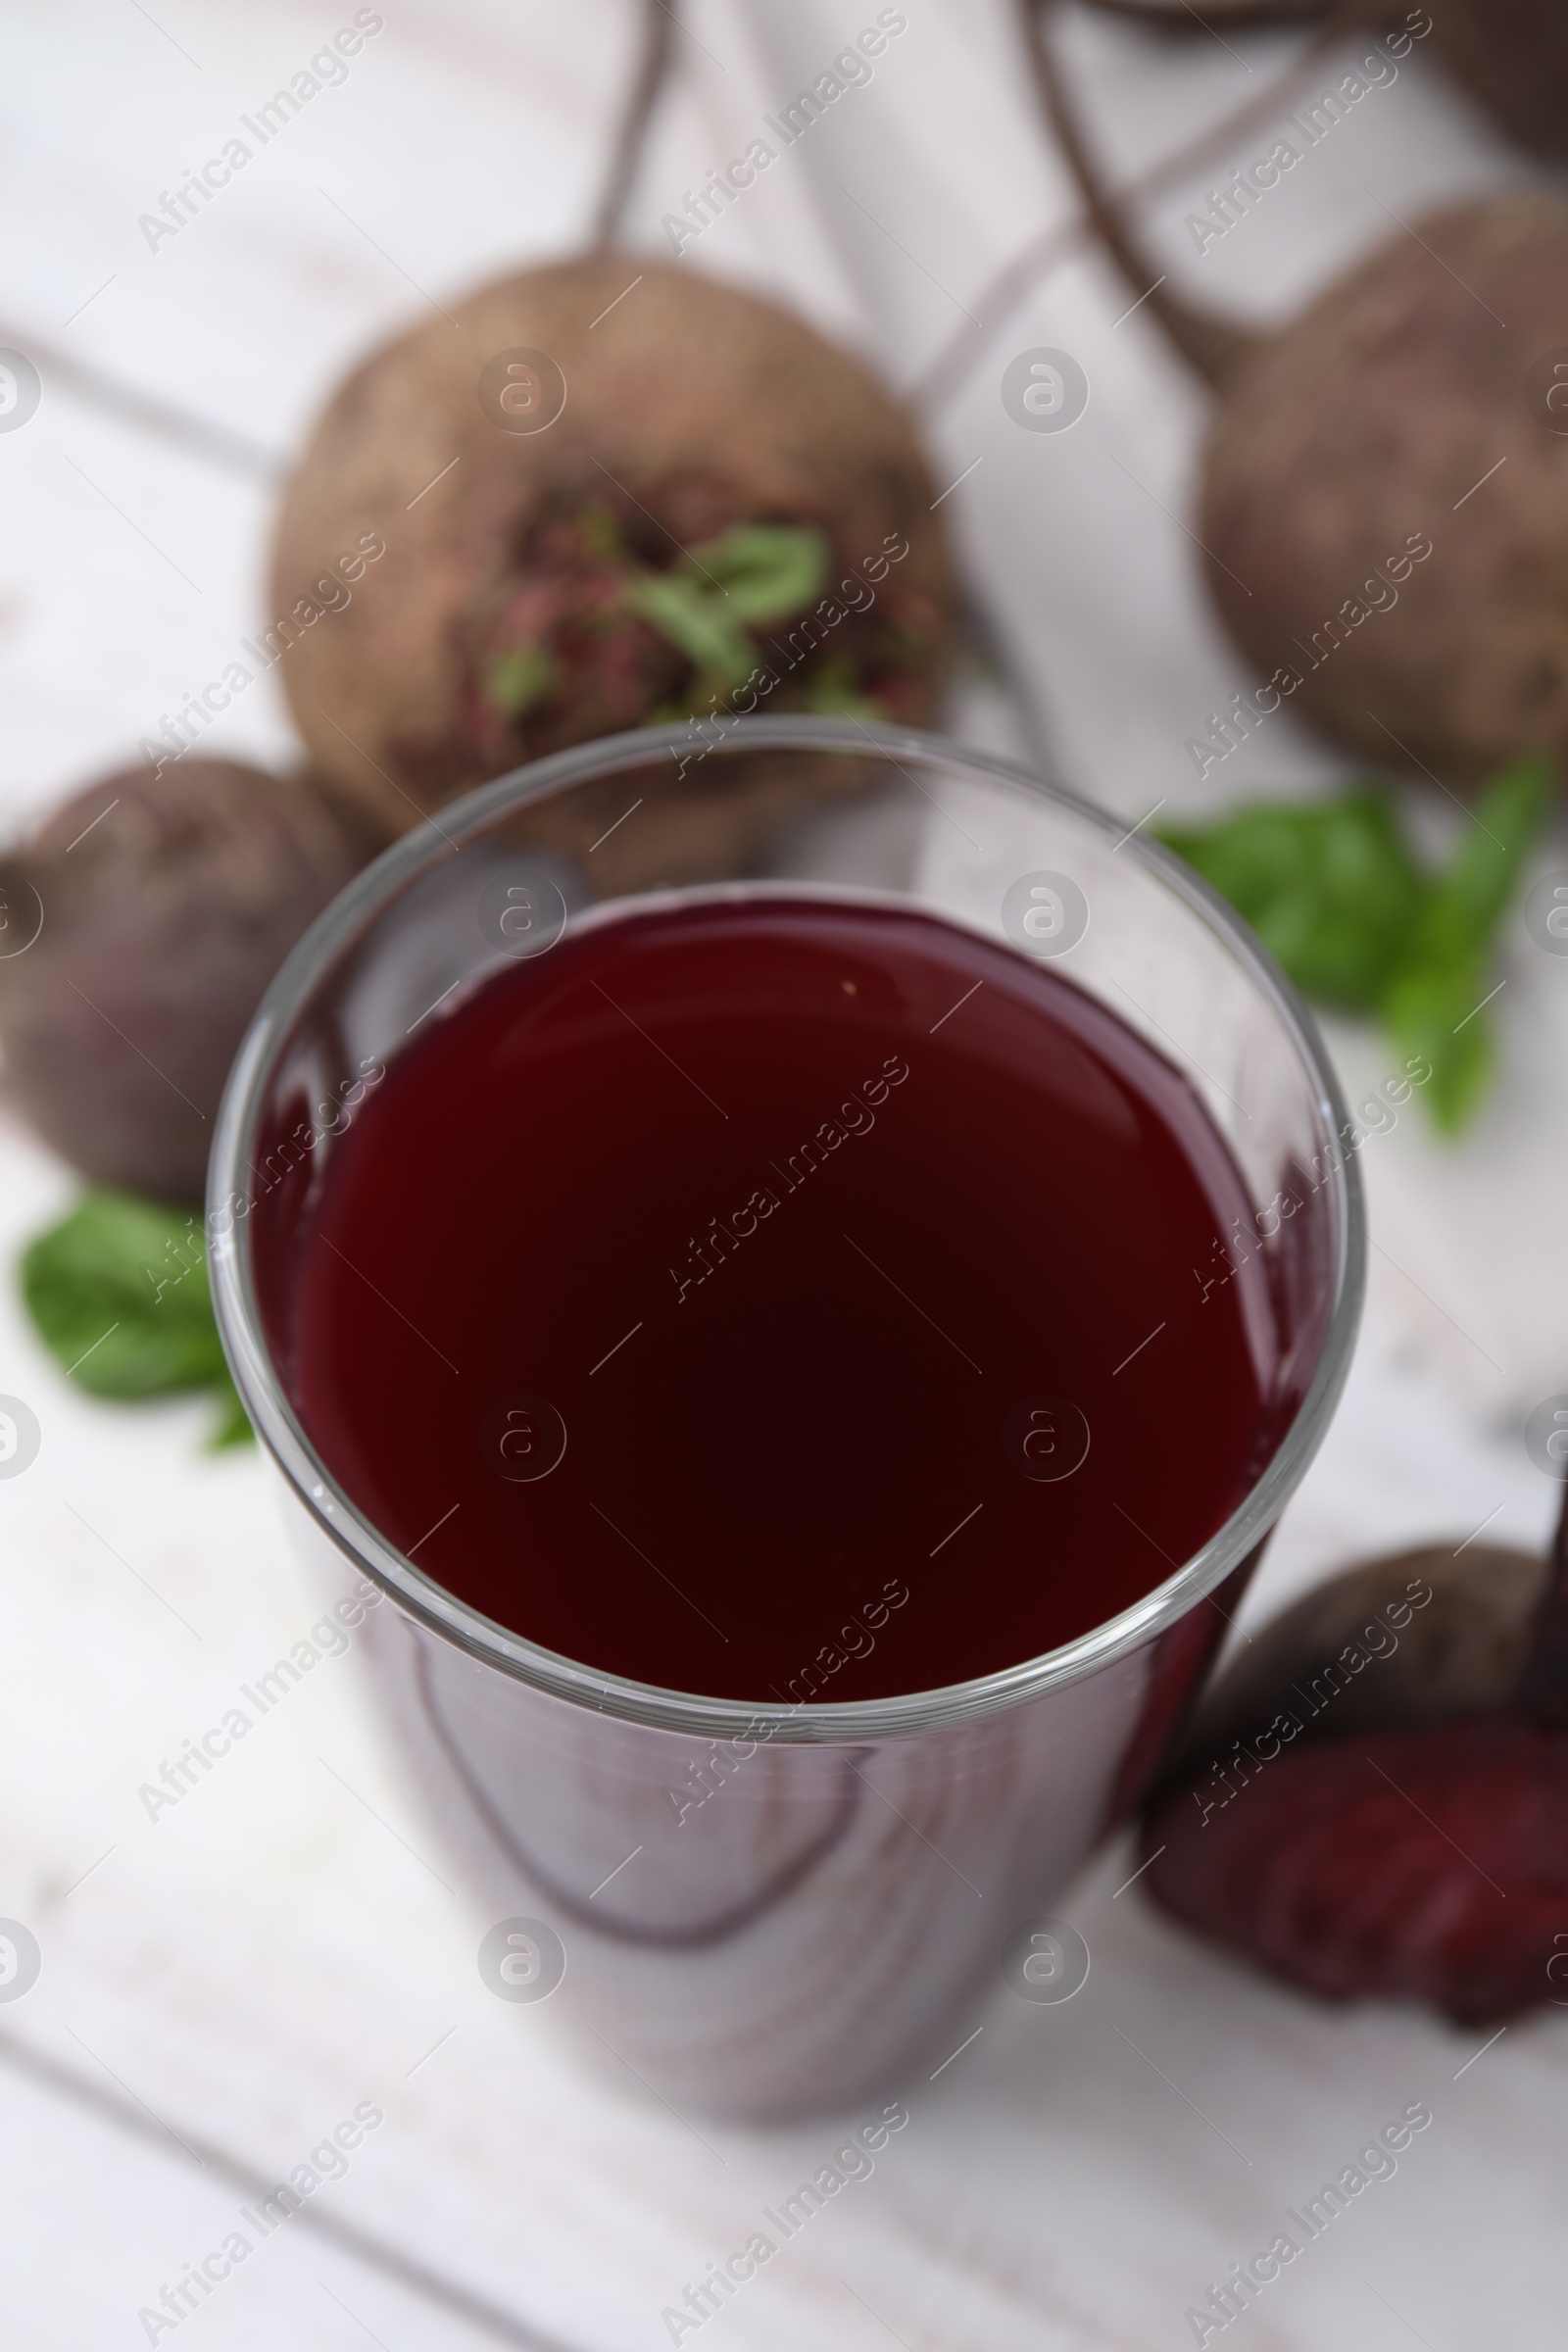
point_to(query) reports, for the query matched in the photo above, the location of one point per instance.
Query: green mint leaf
(1432, 1004)
(695, 618)
(1329, 886)
(832, 689)
(1332, 889)
(121, 1286)
(520, 679)
(768, 571)
(599, 531)
(118, 1293)
(233, 1426)
(705, 604)
(1434, 1008)
(1466, 904)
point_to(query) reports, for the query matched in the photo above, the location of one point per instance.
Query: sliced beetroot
(1430, 1864)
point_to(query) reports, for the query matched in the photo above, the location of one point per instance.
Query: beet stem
(1542, 1689)
(1002, 294)
(198, 436)
(1212, 345)
(1238, 15)
(659, 24)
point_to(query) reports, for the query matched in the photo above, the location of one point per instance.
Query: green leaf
(833, 690)
(704, 605)
(1466, 904)
(233, 1426)
(693, 618)
(118, 1291)
(1329, 886)
(1332, 888)
(520, 679)
(599, 531)
(1434, 1008)
(1433, 1003)
(768, 571)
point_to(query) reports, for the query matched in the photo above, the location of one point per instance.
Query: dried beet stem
(1542, 1689)
(999, 297)
(653, 67)
(1176, 17)
(1383, 511)
(131, 403)
(1213, 346)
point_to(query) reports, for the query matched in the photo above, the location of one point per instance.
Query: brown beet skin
(1364, 425)
(162, 929)
(684, 391)
(1412, 1638)
(1429, 1863)
(1511, 56)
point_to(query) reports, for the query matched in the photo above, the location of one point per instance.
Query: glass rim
(352, 1533)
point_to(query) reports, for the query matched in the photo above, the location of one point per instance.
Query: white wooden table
(223, 1985)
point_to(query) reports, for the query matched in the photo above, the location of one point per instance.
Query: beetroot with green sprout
(722, 497)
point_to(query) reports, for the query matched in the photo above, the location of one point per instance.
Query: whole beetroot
(1174, 16)
(1510, 55)
(1384, 499)
(168, 904)
(1418, 1636)
(517, 607)
(1385, 496)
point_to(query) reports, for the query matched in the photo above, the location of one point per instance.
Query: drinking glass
(863, 1874)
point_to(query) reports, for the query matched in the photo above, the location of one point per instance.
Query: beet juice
(774, 1296)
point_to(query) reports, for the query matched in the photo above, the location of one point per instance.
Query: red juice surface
(778, 1297)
